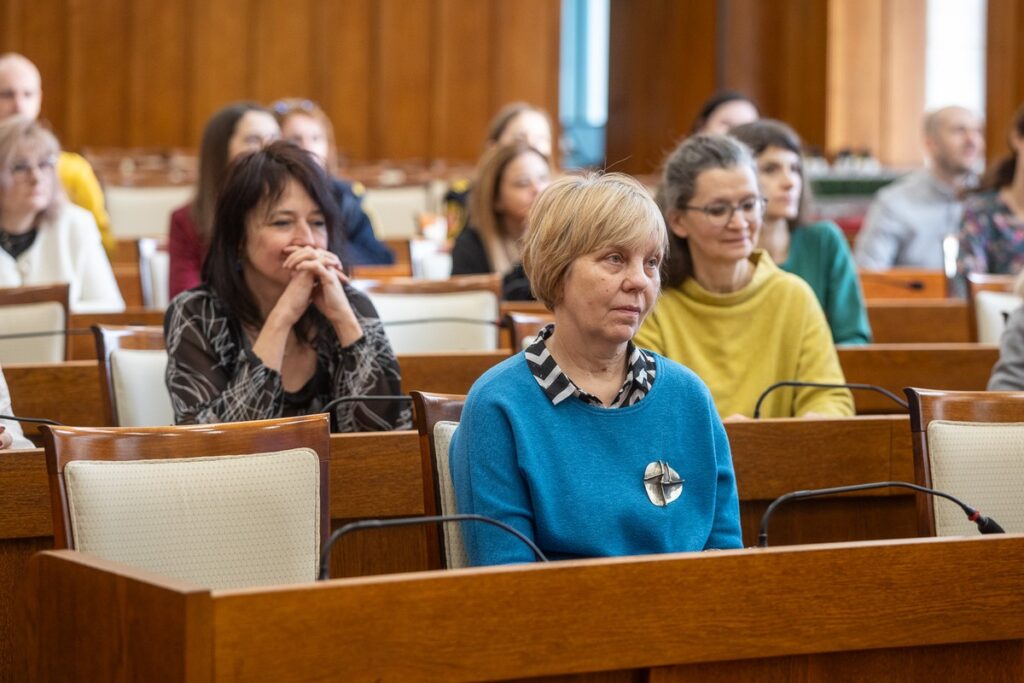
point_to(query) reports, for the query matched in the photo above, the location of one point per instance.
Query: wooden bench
(379, 475)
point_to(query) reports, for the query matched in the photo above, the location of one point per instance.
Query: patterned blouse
(640, 371)
(214, 376)
(991, 237)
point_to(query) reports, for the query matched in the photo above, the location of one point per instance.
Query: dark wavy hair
(764, 133)
(1002, 172)
(256, 181)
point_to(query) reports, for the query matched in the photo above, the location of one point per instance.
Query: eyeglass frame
(762, 202)
(22, 169)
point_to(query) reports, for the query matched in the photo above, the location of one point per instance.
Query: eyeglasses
(282, 107)
(21, 170)
(720, 213)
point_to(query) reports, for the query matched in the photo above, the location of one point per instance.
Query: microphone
(350, 399)
(986, 525)
(826, 385)
(37, 420)
(912, 285)
(325, 554)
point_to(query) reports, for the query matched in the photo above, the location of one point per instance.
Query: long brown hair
(1002, 172)
(482, 201)
(213, 163)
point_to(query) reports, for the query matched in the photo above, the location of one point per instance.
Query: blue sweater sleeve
(844, 305)
(725, 529)
(483, 452)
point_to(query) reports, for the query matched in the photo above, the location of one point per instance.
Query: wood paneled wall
(399, 78)
(1004, 83)
(843, 73)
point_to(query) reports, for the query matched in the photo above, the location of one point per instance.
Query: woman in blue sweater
(585, 443)
(817, 252)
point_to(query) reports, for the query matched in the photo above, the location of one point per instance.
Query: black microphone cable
(826, 385)
(36, 420)
(441, 319)
(986, 525)
(70, 332)
(353, 399)
(325, 554)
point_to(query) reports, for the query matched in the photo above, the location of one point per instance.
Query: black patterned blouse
(214, 376)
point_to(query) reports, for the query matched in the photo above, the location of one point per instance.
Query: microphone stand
(825, 385)
(325, 554)
(986, 525)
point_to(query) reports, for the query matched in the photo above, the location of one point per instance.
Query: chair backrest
(154, 272)
(991, 309)
(437, 416)
(417, 314)
(523, 327)
(222, 506)
(140, 211)
(39, 309)
(396, 208)
(969, 444)
(984, 307)
(132, 363)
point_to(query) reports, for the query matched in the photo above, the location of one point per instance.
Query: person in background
(304, 123)
(1008, 374)
(21, 93)
(44, 239)
(236, 129)
(817, 252)
(583, 441)
(11, 436)
(728, 312)
(724, 111)
(908, 220)
(508, 182)
(515, 122)
(275, 329)
(992, 232)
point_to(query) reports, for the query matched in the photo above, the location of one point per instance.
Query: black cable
(37, 420)
(325, 555)
(47, 333)
(826, 385)
(351, 399)
(445, 319)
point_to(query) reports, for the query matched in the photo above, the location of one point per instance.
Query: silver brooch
(662, 483)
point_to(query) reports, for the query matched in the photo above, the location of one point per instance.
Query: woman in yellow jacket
(726, 311)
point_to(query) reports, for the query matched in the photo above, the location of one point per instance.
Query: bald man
(21, 93)
(908, 219)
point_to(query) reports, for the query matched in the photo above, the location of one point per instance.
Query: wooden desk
(903, 283)
(83, 347)
(919, 321)
(379, 475)
(932, 366)
(867, 611)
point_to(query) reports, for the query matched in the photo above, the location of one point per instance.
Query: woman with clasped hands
(275, 329)
(584, 442)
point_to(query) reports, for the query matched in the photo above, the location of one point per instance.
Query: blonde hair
(18, 130)
(577, 215)
(484, 197)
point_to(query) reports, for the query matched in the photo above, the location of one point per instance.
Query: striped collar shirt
(557, 386)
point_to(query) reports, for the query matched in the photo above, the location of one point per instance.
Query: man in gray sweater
(908, 220)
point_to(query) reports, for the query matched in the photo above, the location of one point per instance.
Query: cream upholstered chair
(154, 272)
(417, 313)
(437, 416)
(991, 310)
(132, 363)
(42, 309)
(221, 506)
(969, 444)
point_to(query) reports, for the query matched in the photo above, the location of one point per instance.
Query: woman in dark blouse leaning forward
(275, 329)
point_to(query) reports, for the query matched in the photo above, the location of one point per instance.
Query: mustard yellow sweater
(83, 188)
(742, 342)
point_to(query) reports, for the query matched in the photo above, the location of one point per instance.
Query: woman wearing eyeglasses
(44, 239)
(817, 252)
(727, 311)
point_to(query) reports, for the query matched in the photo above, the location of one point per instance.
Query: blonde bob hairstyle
(577, 215)
(16, 132)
